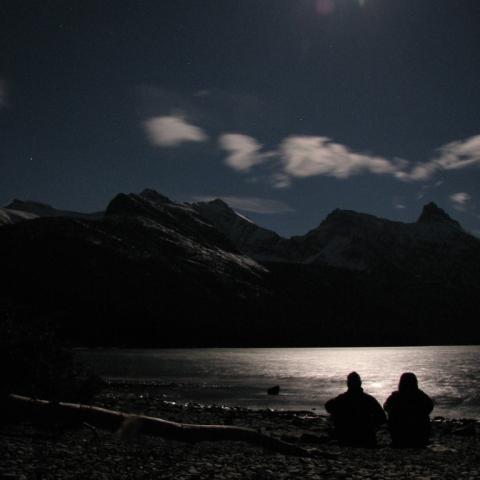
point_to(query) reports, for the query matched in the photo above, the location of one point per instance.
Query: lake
(307, 376)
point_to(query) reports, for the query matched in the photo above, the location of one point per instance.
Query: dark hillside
(156, 273)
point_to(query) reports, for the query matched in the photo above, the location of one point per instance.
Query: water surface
(307, 376)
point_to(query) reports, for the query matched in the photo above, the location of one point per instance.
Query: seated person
(356, 415)
(408, 412)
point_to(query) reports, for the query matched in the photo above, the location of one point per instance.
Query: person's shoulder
(338, 398)
(369, 397)
(341, 396)
(424, 395)
(392, 397)
(394, 394)
(334, 403)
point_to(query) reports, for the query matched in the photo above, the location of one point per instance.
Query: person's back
(356, 415)
(408, 411)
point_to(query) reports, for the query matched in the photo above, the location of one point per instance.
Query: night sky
(287, 109)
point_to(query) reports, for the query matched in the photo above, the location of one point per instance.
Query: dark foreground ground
(27, 452)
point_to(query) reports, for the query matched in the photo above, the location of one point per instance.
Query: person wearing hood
(356, 415)
(408, 411)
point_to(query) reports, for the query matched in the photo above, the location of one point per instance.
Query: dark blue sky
(285, 108)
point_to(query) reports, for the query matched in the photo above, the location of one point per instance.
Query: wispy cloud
(399, 203)
(302, 156)
(305, 156)
(280, 180)
(461, 154)
(460, 200)
(251, 204)
(172, 130)
(427, 187)
(453, 156)
(244, 152)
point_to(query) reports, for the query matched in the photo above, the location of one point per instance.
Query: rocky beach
(59, 452)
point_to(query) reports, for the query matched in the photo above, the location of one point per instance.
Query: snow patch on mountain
(9, 216)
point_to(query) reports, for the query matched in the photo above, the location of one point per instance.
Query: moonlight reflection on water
(307, 376)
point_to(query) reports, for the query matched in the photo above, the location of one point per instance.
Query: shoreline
(307, 380)
(59, 453)
(146, 386)
(165, 389)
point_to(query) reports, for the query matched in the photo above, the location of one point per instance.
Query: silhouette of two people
(356, 415)
(409, 411)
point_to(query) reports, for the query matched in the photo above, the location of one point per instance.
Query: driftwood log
(45, 411)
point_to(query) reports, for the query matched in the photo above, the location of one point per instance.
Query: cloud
(251, 204)
(421, 172)
(305, 156)
(453, 156)
(424, 190)
(244, 151)
(295, 156)
(172, 130)
(460, 154)
(280, 180)
(460, 200)
(399, 203)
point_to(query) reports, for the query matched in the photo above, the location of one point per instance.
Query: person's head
(408, 382)
(354, 381)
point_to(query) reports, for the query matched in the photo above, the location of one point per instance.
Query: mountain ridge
(344, 239)
(431, 213)
(153, 272)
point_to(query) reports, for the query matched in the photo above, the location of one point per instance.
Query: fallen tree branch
(128, 424)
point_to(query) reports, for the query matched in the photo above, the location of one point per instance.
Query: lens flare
(324, 7)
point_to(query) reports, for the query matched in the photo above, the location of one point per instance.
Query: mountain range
(149, 271)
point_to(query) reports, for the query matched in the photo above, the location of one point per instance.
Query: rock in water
(274, 390)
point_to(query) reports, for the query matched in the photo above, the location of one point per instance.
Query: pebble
(28, 453)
